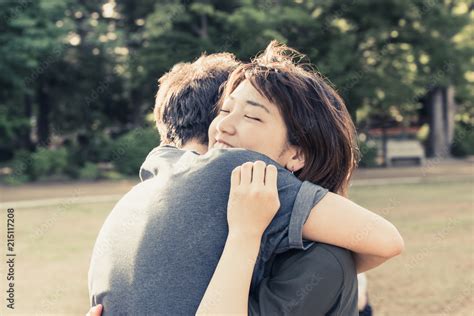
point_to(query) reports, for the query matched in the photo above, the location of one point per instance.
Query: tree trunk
(43, 124)
(441, 109)
(384, 142)
(136, 110)
(26, 134)
(450, 111)
(204, 31)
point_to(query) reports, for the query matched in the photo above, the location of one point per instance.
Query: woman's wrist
(245, 246)
(244, 242)
(227, 293)
(244, 236)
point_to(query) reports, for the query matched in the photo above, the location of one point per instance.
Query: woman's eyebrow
(252, 103)
(258, 104)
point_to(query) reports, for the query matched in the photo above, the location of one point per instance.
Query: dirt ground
(434, 213)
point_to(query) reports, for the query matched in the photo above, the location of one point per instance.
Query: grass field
(434, 276)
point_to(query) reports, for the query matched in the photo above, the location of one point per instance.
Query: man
(150, 241)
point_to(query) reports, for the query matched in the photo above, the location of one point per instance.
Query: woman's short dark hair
(316, 117)
(187, 95)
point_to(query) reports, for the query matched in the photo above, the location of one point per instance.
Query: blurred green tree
(78, 70)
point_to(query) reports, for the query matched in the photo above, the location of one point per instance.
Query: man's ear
(296, 159)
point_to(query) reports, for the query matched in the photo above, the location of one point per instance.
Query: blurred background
(77, 86)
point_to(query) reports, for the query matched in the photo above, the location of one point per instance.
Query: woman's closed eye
(224, 111)
(253, 118)
(247, 116)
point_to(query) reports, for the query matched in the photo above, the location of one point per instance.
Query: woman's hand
(253, 199)
(95, 311)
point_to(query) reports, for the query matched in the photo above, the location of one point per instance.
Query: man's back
(159, 247)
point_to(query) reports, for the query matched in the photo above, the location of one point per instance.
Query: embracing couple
(242, 209)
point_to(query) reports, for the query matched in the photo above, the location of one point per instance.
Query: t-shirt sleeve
(286, 232)
(308, 196)
(159, 157)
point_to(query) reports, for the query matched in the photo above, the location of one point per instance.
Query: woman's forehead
(246, 93)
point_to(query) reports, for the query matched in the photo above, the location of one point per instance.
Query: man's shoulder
(234, 157)
(224, 157)
(227, 160)
(159, 157)
(165, 152)
(237, 156)
(342, 255)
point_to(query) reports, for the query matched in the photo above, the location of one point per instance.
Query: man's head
(186, 99)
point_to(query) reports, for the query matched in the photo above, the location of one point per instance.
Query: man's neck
(196, 146)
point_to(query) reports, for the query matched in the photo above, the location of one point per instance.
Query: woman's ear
(296, 159)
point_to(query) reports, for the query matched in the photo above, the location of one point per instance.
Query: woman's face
(248, 120)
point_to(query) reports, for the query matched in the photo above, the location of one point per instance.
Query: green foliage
(90, 147)
(90, 171)
(463, 143)
(129, 151)
(42, 163)
(48, 162)
(16, 180)
(13, 130)
(85, 71)
(112, 175)
(368, 153)
(21, 168)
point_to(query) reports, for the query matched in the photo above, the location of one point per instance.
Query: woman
(268, 81)
(288, 113)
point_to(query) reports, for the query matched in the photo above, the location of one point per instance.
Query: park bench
(406, 151)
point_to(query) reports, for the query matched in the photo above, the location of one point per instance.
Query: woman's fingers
(235, 177)
(252, 206)
(271, 175)
(95, 311)
(246, 173)
(255, 173)
(258, 175)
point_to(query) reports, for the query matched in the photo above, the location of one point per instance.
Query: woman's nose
(227, 124)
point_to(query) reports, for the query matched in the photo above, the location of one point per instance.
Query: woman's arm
(253, 202)
(338, 221)
(228, 291)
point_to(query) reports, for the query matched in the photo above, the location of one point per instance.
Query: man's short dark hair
(186, 99)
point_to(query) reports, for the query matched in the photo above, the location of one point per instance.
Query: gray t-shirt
(160, 245)
(321, 280)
